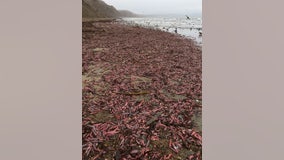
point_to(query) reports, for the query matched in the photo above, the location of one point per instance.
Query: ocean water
(189, 28)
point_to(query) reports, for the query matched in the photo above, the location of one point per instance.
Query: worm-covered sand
(141, 94)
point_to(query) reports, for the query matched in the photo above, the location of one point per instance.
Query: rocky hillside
(99, 9)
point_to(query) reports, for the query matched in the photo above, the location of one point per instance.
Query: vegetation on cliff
(99, 9)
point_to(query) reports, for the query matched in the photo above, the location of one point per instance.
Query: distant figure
(176, 31)
(187, 17)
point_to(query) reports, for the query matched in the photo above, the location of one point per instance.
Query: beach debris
(141, 94)
(100, 49)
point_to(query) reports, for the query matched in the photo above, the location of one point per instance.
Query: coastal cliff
(99, 9)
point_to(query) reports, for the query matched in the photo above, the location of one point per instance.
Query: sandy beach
(142, 95)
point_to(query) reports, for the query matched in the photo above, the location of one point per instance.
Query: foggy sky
(158, 6)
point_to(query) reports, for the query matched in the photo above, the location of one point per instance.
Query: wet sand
(141, 93)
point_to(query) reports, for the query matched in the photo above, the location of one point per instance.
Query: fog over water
(159, 7)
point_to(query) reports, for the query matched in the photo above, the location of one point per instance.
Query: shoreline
(144, 25)
(142, 96)
(123, 22)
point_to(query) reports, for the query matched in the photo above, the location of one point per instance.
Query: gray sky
(158, 6)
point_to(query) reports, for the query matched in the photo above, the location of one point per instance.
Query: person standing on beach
(176, 30)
